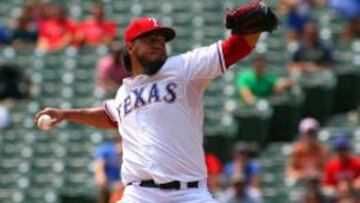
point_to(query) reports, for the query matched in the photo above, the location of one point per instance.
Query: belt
(174, 185)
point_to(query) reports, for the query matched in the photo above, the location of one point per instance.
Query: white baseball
(43, 122)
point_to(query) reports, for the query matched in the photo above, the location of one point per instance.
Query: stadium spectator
(4, 34)
(5, 121)
(14, 83)
(243, 164)
(107, 171)
(36, 11)
(110, 69)
(97, 30)
(295, 21)
(24, 29)
(25, 32)
(285, 6)
(312, 55)
(350, 10)
(313, 192)
(57, 31)
(256, 83)
(214, 170)
(297, 13)
(308, 154)
(42, 10)
(342, 172)
(238, 192)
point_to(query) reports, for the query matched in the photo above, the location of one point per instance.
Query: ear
(129, 48)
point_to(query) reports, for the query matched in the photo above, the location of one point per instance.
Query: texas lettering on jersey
(143, 96)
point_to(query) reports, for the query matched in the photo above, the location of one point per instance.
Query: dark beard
(153, 68)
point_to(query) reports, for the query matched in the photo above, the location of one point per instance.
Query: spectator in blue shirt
(24, 33)
(4, 34)
(107, 169)
(350, 10)
(239, 193)
(312, 55)
(295, 21)
(297, 13)
(243, 164)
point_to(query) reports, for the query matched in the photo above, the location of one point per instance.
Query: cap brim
(167, 32)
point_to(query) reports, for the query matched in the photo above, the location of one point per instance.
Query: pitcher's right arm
(95, 117)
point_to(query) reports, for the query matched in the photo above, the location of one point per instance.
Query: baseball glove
(252, 18)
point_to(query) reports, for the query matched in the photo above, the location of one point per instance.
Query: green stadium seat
(79, 150)
(346, 97)
(6, 195)
(41, 195)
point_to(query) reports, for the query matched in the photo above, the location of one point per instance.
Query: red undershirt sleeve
(234, 49)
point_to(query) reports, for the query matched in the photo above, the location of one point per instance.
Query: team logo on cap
(154, 21)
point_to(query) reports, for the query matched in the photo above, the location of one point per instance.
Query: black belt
(174, 185)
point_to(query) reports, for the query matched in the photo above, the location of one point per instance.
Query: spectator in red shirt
(97, 30)
(342, 172)
(111, 70)
(57, 31)
(214, 170)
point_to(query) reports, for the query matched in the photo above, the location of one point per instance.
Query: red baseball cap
(143, 25)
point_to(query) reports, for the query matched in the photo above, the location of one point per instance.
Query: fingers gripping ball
(252, 18)
(44, 122)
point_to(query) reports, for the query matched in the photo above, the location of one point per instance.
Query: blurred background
(282, 126)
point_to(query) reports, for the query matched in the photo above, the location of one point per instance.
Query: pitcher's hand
(57, 115)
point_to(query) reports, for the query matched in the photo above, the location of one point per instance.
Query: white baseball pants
(137, 194)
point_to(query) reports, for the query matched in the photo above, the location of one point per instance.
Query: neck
(98, 19)
(310, 43)
(344, 159)
(239, 194)
(137, 68)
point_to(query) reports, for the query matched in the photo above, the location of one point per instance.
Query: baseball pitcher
(159, 111)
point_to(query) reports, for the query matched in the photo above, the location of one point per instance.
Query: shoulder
(214, 48)
(271, 77)
(120, 91)
(332, 162)
(254, 164)
(324, 44)
(356, 161)
(173, 64)
(246, 73)
(105, 60)
(47, 22)
(228, 166)
(324, 149)
(85, 23)
(104, 148)
(298, 147)
(70, 23)
(110, 23)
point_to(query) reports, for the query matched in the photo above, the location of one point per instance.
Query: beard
(152, 67)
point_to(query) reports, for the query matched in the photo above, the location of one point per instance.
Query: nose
(158, 39)
(158, 42)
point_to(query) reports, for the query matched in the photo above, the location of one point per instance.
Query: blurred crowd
(330, 173)
(47, 26)
(299, 12)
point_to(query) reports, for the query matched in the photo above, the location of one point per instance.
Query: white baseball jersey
(160, 118)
